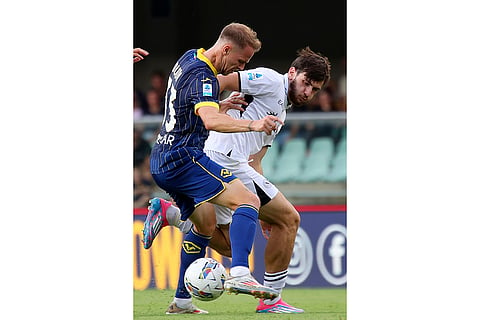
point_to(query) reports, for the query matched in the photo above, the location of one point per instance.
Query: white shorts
(253, 180)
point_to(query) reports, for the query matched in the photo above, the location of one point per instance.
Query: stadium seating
(338, 170)
(322, 162)
(316, 166)
(269, 160)
(289, 161)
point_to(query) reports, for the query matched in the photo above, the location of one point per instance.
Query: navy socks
(242, 234)
(193, 248)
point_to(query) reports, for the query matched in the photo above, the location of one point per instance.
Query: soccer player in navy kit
(180, 167)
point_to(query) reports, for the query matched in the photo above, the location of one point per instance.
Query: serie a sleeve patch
(207, 90)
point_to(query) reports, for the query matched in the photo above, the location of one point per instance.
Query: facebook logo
(331, 254)
(336, 251)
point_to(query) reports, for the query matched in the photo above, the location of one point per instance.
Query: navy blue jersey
(191, 84)
(177, 162)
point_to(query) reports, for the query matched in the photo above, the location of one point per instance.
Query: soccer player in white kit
(241, 153)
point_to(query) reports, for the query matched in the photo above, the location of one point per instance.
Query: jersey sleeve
(256, 81)
(204, 91)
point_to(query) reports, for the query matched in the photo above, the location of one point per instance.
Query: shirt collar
(205, 59)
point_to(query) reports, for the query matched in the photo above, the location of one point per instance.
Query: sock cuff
(248, 211)
(245, 205)
(195, 242)
(182, 302)
(275, 276)
(200, 235)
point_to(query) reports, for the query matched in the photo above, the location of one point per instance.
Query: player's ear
(226, 49)
(292, 73)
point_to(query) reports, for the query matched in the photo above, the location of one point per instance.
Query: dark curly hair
(315, 65)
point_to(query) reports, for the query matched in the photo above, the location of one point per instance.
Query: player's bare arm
(229, 82)
(214, 120)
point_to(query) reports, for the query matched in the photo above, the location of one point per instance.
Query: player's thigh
(235, 194)
(279, 211)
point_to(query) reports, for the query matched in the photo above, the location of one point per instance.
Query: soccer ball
(204, 279)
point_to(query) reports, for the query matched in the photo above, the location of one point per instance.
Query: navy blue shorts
(196, 181)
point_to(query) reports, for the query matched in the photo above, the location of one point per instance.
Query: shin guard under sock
(242, 233)
(193, 248)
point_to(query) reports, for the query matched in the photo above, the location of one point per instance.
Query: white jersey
(269, 90)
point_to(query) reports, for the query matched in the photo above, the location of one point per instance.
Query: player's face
(235, 58)
(301, 89)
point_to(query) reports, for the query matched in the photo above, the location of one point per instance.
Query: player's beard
(293, 95)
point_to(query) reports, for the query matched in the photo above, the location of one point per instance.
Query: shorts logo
(190, 247)
(207, 90)
(225, 173)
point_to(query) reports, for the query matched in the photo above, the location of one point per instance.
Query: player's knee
(247, 197)
(253, 200)
(295, 220)
(289, 218)
(236, 195)
(290, 221)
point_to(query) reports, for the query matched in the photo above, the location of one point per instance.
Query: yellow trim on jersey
(205, 59)
(206, 104)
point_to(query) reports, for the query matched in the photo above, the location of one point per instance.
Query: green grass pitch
(319, 304)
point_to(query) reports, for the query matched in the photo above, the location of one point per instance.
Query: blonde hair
(241, 35)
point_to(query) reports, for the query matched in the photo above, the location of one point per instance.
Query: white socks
(239, 271)
(173, 218)
(276, 281)
(183, 303)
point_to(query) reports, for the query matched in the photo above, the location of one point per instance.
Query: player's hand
(138, 54)
(234, 101)
(266, 229)
(267, 124)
